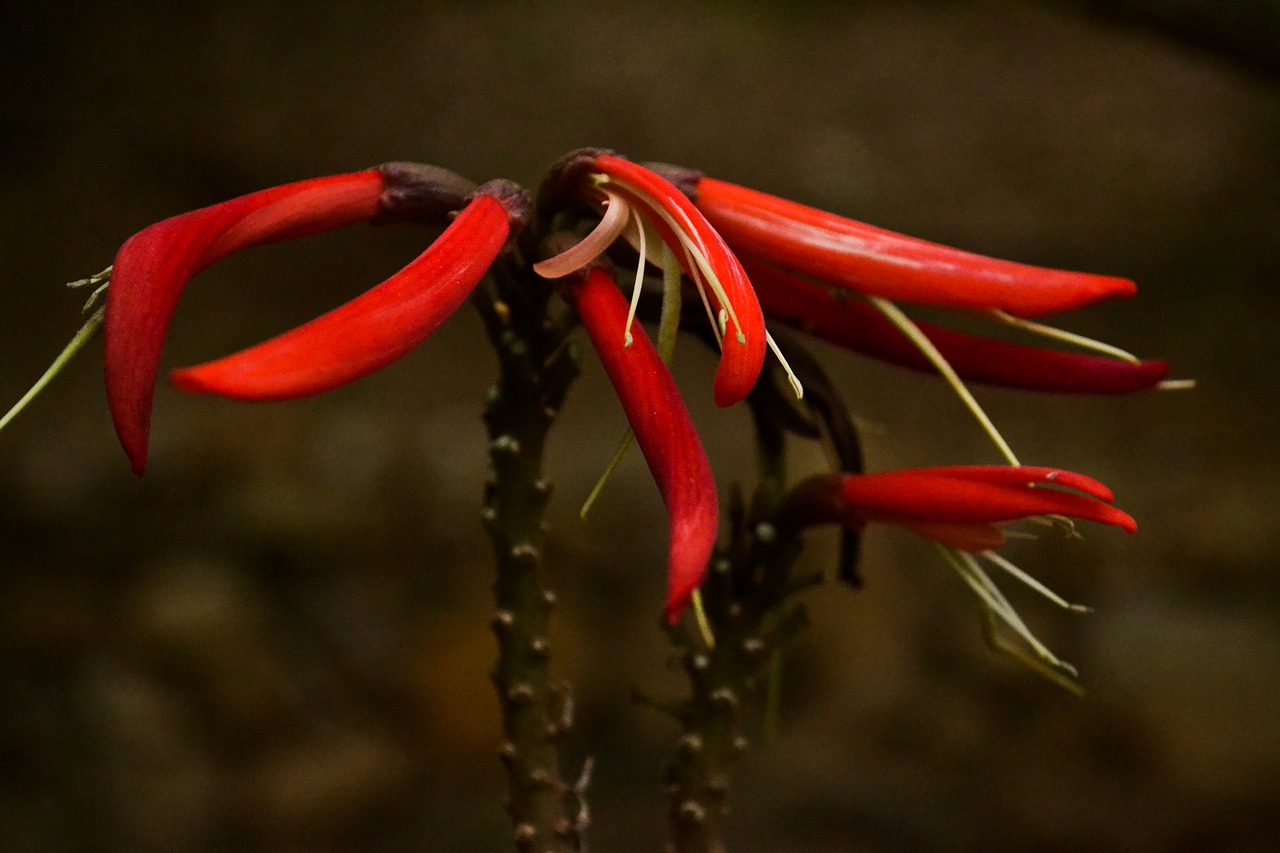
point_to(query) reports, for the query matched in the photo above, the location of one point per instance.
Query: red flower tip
(370, 331)
(851, 323)
(663, 429)
(627, 188)
(876, 262)
(959, 506)
(153, 266)
(710, 263)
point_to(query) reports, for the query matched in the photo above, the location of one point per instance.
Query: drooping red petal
(370, 331)
(663, 430)
(973, 496)
(153, 266)
(741, 359)
(877, 262)
(854, 325)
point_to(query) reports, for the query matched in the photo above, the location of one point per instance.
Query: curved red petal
(741, 360)
(663, 429)
(1024, 475)
(153, 266)
(877, 262)
(925, 495)
(370, 331)
(854, 325)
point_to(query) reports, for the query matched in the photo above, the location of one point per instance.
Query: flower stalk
(536, 367)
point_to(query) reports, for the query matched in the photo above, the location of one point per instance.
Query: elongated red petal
(974, 496)
(854, 325)
(663, 430)
(1026, 475)
(153, 266)
(741, 359)
(370, 331)
(877, 262)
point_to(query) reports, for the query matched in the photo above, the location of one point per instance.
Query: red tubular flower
(662, 428)
(851, 323)
(372, 330)
(960, 506)
(153, 267)
(702, 253)
(876, 262)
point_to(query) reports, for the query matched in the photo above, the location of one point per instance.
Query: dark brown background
(277, 640)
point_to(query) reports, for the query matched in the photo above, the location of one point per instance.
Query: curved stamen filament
(635, 289)
(904, 324)
(1056, 334)
(700, 270)
(791, 376)
(1034, 584)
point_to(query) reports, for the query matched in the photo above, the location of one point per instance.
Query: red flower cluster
(750, 255)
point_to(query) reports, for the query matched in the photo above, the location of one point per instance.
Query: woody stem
(536, 369)
(745, 595)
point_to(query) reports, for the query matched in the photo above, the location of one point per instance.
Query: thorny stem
(536, 368)
(746, 597)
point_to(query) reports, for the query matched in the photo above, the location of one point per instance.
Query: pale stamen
(87, 333)
(703, 275)
(635, 289)
(1054, 333)
(782, 359)
(1034, 584)
(905, 325)
(997, 610)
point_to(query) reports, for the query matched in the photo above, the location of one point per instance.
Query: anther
(766, 532)
(689, 744)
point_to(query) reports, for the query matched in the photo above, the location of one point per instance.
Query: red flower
(625, 190)
(875, 262)
(662, 428)
(153, 267)
(851, 323)
(961, 507)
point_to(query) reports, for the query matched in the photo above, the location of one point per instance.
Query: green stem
(745, 597)
(536, 368)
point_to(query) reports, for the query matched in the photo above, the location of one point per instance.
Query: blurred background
(277, 640)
